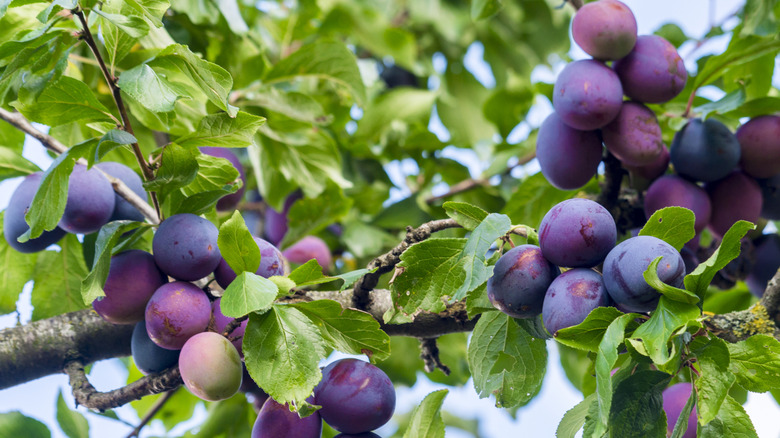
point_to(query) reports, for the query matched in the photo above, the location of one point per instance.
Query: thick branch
(54, 145)
(386, 262)
(762, 317)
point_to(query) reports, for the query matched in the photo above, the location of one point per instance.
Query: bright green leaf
(64, 101)
(588, 334)
(574, 418)
(466, 215)
(732, 422)
(150, 89)
(637, 406)
(248, 293)
(71, 422)
(222, 130)
(12, 164)
(673, 225)
(15, 424)
(667, 318)
(714, 380)
(57, 280)
(17, 270)
(134, 26)
(426, 417)
(92, 286)
(673, 293)
(237, 245)
(481, 9)
(472, 259)
(756, 363)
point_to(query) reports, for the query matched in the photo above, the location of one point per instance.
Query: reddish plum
(577, 233)
(176, 312)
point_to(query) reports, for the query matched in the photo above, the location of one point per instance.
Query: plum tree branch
(762, 317)
(386, 262)
(21, 123)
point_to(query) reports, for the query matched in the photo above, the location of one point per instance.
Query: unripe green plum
(210, 366)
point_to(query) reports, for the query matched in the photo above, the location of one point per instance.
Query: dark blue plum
(569, 158)
(571, 297)
(690, 259)
(760, 141)
(271, 263)
(624, 270)
(276, 421)
(770, 194)
(735, 197)
(228, 202)
(704, 151)
(122, 209)
(766, 263)
(355, 396)
(520, 280)
(672, 190)
(91, 201)
(587, 95)
(185, 247)
(14, 224)
(577, 233)
(148, 356)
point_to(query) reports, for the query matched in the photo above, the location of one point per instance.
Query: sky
(538, 419)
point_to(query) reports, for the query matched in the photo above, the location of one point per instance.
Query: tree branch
(429, 353)
(762, 317)
(21, 123)
(386, 262)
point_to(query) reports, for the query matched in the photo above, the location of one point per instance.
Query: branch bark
(54, 145)
(762, 317)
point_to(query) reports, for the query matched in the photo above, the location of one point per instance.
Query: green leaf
(587, 335)
(729, 102)
(150, 89)
(310, 273)
(400, 104)
(757, 107)
(637, 406)
(43, 17)
(478, 302)
(460, 109)
(681, 425)
(153, 10)
(574, 418)
(10, 137)
(432, 270)
(323, 59)
(472, 259)
(65, 101)
(297, 106)
(282, 350)
(667, 318)
(605, 362)
(237, 245)
(15, 424)
(134, 26)
(426, 417)
(71, 422)
(17, 270)
(673, 225)
(209, 78)
(12, 164)
(309, 216)
(347, 330)
(178, 167)
(505, 360)
(111, 140)
(673, 293)
(178, 409)
(57, 280)
(222, 130)
(248, 293)
(756, 363)
(481, 9)
(672, 33)
(699, 280)
(732, 422)
(467, 215)
(92, 286)
(714, 380)
(740, 51)
(48, 204)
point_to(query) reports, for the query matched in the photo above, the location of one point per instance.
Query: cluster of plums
(355, 398)
(91, 203)
(580, 234)
(588, 97)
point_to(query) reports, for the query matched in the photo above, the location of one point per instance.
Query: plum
(520, 280)
(577, 233)
(760, 141)
(277, 421)
(704, 151)
(675, 397)
(735, 197)
(271, 263)
(185, 247)
(150, 358)
(690, 260)
(228, 202)
(221, 321)
(91, 201)
(571, 297)
(770, 194)
(653, 72)
(132, 279)
(569, 158)
(634, 137)
(358, 435)
(309, 247)
(624, 270)
(587, 95)
(176, 312)
(355, 396)
(605, 29)
(767, 262)
(210, 366)
(672, 190)
(122, 209)
(275, 226)
(14, 224)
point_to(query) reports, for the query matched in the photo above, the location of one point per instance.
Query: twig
(86, 395)
(234, 324)
(762, 317)
(386, 262)
(152, 412)
(429, 353)
(116, 93)
(54, 145)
